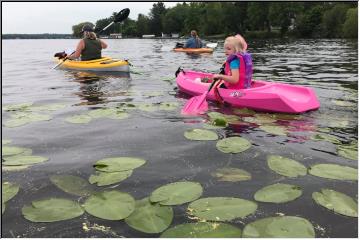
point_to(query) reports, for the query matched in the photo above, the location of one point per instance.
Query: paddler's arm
(103, 44)
(79, 48)
(233, 79)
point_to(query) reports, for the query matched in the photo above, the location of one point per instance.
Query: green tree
(193, 17)
(156, 15)
(142, 25)
(129, 28)
(308, 24)
(333, 20)
(257, 13)
(77, 29)
(174, 19)
(101, 24)
(350, 27)
(212, 21)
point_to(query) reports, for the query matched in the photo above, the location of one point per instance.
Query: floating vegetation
(279, 227)
(23, 160)
(337, 202)
(343, 103)
(213, 125)
(233, 145)
(108, 178)
(8, 150)
(348, 151)
(231, 175)
(244, 111)
(278, 193)
(72, 184)
(118, 164)
(150, 218)
(147, 107)
(48, 107)
(225, 118)
(8, 191)
(17, 107)
(110, 205)
(200, 135)
(168, 79)
(325, 137)
(14, 168)
(202, 230)
(260, 119)
(153, 94)
(334, 171)
(22, 118)
(102, 112)
(221, 208)
(285, 166)
(168, 106)
(275, 130)
(177, 193)
(81, 118)
(52, 210)
(5, 141)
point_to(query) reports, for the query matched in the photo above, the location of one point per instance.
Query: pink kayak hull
(262, 96)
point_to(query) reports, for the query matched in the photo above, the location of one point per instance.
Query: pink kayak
(263, 96)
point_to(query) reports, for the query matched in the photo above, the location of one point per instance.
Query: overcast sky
(59, 17)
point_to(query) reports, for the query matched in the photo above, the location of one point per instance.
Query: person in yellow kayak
(88, 48)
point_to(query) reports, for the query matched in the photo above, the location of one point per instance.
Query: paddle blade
(195, 105)
(122, 15)
(211, 45)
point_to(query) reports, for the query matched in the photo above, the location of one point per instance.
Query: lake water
(330, 67)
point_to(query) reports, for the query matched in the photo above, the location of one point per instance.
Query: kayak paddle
(121, 16)
(197, 104)
(211, 45)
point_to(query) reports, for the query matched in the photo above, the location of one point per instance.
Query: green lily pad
(168, 79)
(261, 119)
(231, 175)
(150, 218)
(285, 166)
(223, 117)
(118, 164)
(325, 137)
(279, 227)
(32, 117)
(48, 107)
(244, 111)
(148, 107)
(110, 205)
(52, 210)
(72, 184)
(79, 119)
(102, 112)
(275, 130)
(23, 160)
(278, 193)
(17, 107)
(337, 202)
(212, 125)
(153, 94)
(348, 151)
(9, 190)
(177, 193)
(8, 151)
(118, 115)
(202, 230)
(342, 103)
(16, 122)
(14, 168)
(200, 135)
(233, 145)
(108, 178)
(334, 171)
(221, 208)
(5, 141)
(168, 106)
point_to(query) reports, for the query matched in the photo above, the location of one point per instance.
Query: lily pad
(285, 166)
(5, 141)
(177, 193)
(278, 193)
(79, 119)
(348, 151)
(244, 111)
(148, 107)
(168, 106)
(17, 107)
(153, 94)
(200, 135)
(334, 171)
(16, 122)
(118, 115)
(325, 137)
(23, 160)
(110, 205)
(14, 168)
(108, 178)
(118, 164)
(150, 218)
(100, 113)
(52, 210)
(202, 230)
(231, 175)
(279, 227)
(233, 145)
(48, 107)
(342, 103)
(32, 117)
(72, 184)
(221, 208)
(224, 117)
(8, 150)
(275, 130)
(337, 202)
(9, 190)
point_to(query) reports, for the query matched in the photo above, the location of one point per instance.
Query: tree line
(258, 19)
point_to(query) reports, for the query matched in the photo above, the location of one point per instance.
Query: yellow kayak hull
(104, 64)
(194, 50)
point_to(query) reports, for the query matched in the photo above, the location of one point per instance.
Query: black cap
(87, 28)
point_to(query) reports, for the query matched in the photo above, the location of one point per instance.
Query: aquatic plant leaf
(212, 125)
(23, 160)
(202, 230)
(325, 137)
(348, 151)
(224, 117)
(16, 122)
(5, 141)
(177, 193)
(342, 103)
(148, 107)
(118, 115)
(118, 164)
(153, 94)
(336, 201)
(79, 119)
(108, 178)
(150, 218)
(200, 135)
(168, 106)
(32, 117)
(233, 145)
(231, 175)
(72, 184)
(334, 171)
(8, 150)
(110, 205)
(244, 111)
(52, 210)
(279, 227)
(102, 112)
(48, 107)
(8, 191)
(14, 168)
(168, 79)
(278, 193)
(260, 118)
(275, 130)
(285, 166)
(221, 208)
(17, 107)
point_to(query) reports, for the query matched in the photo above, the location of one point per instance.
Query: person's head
(193, 33)
(88, 31)
(234, 44)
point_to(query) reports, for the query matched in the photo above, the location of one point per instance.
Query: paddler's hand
(217, 76)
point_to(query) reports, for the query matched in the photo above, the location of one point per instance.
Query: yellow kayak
(104, 64)
(194, 50)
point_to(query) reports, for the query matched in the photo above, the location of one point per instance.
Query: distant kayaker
(89, 48)
(237, 70)
(194, 41)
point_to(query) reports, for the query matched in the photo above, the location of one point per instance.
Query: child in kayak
(238, 66)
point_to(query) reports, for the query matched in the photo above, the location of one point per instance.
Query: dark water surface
(328, 66)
